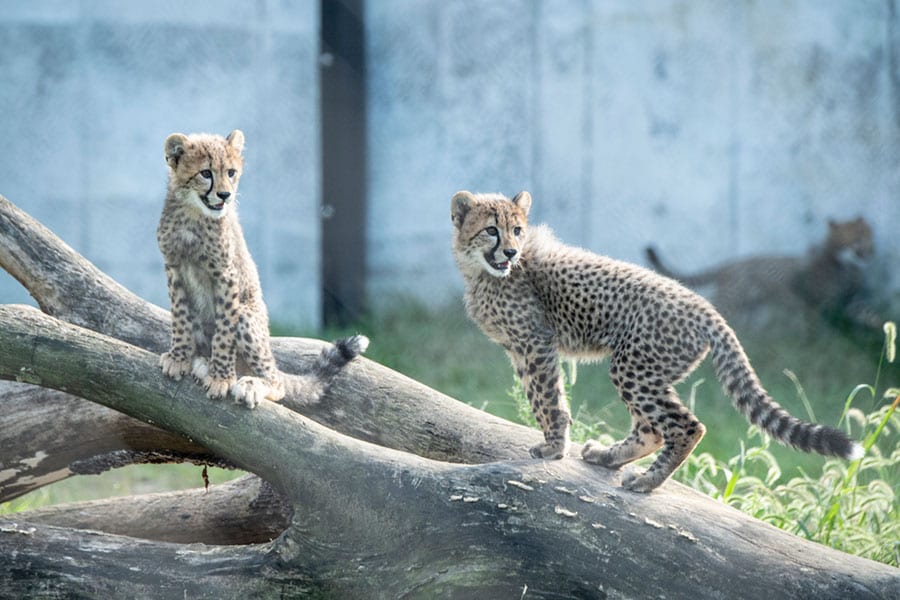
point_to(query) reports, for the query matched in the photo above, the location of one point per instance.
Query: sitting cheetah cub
(541, 300)
(218, 312)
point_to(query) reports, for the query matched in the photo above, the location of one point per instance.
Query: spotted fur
(218, 313)
(542, 300)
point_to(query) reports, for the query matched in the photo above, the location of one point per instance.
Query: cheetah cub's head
(204, 170)
(850, 242)
(488, 231)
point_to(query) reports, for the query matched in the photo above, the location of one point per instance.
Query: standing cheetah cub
(541, 300)
(218, 312)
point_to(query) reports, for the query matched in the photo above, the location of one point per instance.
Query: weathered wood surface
(368, 485)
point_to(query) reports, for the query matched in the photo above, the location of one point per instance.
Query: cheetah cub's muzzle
(503, 267)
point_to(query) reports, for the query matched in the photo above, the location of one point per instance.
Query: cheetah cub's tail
(309, 387)
(741, 383)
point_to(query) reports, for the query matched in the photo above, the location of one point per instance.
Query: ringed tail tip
(352, 346)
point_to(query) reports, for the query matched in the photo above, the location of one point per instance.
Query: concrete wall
(89, 91)
(712, 129)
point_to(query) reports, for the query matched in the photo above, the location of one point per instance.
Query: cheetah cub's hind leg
(663, 422)
(681, 433)
(659, 419)
(253, 345)
(253, 390)
(644, 439)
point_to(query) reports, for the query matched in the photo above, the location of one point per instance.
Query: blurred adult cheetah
(830, 280)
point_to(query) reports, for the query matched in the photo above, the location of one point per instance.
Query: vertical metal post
(343, 110)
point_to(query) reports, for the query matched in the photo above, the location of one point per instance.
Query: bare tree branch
(243, 511)
(95, 439)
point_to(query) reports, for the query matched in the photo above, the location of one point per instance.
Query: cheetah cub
(542, 300)
(218, 314)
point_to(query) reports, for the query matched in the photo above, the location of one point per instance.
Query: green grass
(850, 507)
(137, 479)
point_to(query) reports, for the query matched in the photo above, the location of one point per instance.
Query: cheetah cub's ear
(175, 144)
(460, 205)
(523, 201)
(236, 140)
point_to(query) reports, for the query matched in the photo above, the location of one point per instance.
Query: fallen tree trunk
(362, 519)
(369, 519)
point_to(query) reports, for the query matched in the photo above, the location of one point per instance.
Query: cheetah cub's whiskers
(218, 313)
(542, 300)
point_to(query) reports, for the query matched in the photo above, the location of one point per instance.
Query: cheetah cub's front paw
(550, 451)
(216, 387)
(253, 390)
(174, 367)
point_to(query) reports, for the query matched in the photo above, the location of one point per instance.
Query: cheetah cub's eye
(232, 173)
(206, 174)
(517, 231)
(491, 231)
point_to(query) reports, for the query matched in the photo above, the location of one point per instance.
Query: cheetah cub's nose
(510, 252)
(223, 195)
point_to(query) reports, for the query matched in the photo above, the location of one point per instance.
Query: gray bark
(366, 488)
